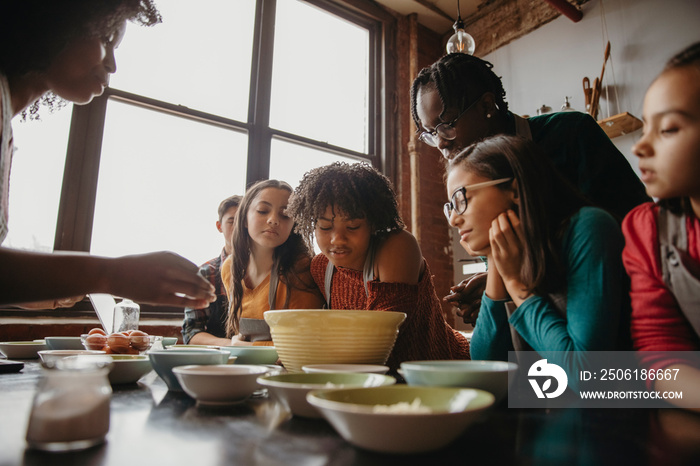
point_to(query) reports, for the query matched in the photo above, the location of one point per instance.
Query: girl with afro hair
(369, 261)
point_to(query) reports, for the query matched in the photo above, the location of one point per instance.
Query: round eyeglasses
(458, 201)
(445, 130)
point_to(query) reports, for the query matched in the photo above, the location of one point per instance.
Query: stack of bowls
(304, 336)
(163, 362)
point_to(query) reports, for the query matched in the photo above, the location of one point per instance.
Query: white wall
(550, 63)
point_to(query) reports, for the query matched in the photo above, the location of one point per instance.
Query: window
(220, 95)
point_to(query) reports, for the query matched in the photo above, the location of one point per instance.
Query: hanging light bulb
(461, 41)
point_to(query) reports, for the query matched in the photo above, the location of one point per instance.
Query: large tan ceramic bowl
(304, 336)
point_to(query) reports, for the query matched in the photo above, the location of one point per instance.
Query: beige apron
(679, 271)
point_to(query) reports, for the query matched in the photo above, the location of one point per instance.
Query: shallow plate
(22, 349)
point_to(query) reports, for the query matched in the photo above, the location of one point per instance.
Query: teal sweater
(597, 300)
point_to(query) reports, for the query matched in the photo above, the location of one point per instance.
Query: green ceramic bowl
(290, 389)
(163, 362)
(401, 418)
(492, 376)
(64, 343)
(253, 354)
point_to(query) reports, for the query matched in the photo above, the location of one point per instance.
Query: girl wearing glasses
(555, 277)
(369, 261)
(459, 100)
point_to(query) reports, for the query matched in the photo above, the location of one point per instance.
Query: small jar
(126, 316)
(70, 410)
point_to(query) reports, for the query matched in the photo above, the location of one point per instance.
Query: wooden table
(151, 426)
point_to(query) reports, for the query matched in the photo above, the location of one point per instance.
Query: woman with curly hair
(268, 267)
(369, 261)
(66, 50)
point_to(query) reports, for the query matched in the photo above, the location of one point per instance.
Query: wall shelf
(620, 124)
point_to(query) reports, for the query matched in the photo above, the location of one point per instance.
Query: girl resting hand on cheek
(369, 261)
(555, 273)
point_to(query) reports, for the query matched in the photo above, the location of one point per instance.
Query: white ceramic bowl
(290, 389)
(491, 376)
(400, 428)
(22, 349)
(219, 384)
(164, 361)
(64, 343)
(51, 356)
(362, 368)
(253, 354)
(128, 368)
(305, 336)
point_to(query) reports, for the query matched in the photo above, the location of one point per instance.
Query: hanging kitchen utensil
(587, 91)
(597, 87)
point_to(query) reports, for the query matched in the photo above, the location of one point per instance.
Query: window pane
(289, 162)
(199, 56)
(161, 181)
(320, 76)
(36, 178)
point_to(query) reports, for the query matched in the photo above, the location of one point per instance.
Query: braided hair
(459, 79)
(358, 190)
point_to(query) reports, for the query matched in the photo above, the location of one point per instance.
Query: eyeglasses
(445, 130)
(458, 202)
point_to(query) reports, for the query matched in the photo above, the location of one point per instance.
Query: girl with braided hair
(268, 267)
(369, 261)
(459, 100)
(66, 49)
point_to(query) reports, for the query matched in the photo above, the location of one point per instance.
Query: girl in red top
(662, 252)
(369, 261)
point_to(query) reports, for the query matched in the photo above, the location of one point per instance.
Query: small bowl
(216, 385)
(128, 368)
(163, 362)
(253, 354)
(400, 427)
(51, 356)
(169, 341)
(362, 368)
(64, 343)
(22, 349)
(291, 389)
(492, 376)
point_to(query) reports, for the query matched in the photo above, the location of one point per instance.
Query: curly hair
(459, 79)
(34, 32)
(291, 255)
(548, 200)
(358, 190)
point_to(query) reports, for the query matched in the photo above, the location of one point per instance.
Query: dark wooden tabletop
(152, 426)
